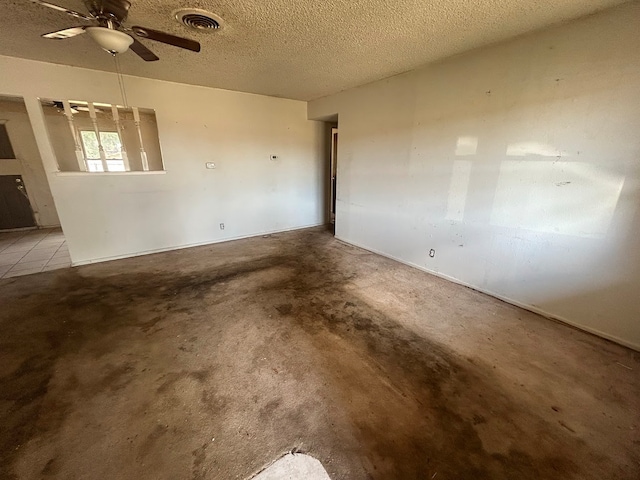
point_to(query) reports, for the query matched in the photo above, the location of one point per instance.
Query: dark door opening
(15, 208)
(333, 178)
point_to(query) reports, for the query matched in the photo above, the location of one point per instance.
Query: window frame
(121, 160)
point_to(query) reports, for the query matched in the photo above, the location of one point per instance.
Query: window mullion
(123, 148)
(143, 153)
(94, 120)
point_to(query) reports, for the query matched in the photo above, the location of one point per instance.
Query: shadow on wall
(545, 228)
(550, 194)
(616, 276)
(553, 196)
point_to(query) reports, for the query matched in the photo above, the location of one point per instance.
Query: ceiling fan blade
(166, 38)
(73, 13)
(143, 52)
(66, 33)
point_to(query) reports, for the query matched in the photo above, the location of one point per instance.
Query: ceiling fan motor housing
(114, 10)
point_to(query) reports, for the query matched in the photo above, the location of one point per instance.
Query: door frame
(333, 168)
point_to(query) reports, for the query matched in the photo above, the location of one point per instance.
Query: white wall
(519, 164)
(27, 162)
(110, 215)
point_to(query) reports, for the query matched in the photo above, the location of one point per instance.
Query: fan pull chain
(121, 82)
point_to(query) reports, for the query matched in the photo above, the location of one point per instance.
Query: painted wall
(27, 162)
(518, 164)
(113, 215)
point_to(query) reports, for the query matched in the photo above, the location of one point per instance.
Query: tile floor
(32, 251)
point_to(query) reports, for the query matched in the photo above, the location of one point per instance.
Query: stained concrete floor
(210, 363)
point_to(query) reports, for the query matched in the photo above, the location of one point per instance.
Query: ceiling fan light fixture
(111, 40)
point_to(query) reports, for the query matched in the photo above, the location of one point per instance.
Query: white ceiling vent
(198, 19)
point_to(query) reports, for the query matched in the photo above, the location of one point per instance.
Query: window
(112, 147)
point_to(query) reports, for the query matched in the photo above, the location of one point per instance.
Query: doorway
(25, 196)
(333, 169)
(329, 201)
(15, 208)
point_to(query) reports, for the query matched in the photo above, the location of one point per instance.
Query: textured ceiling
(300, 49)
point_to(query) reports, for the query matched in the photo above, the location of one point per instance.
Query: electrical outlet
(222, 226)
(432, 253)
(274, 157)
(210, 165)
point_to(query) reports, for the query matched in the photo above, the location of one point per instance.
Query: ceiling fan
(109, 32)
(75, 108)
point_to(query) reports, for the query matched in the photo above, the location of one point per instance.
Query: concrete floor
(211, 362)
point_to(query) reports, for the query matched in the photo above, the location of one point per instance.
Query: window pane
(90, 142)
(111, 144)
(115, 166)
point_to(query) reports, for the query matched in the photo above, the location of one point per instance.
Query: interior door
(15, 209)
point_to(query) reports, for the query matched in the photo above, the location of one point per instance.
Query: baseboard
(189, 245)
(511, 301)
(20, 229)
